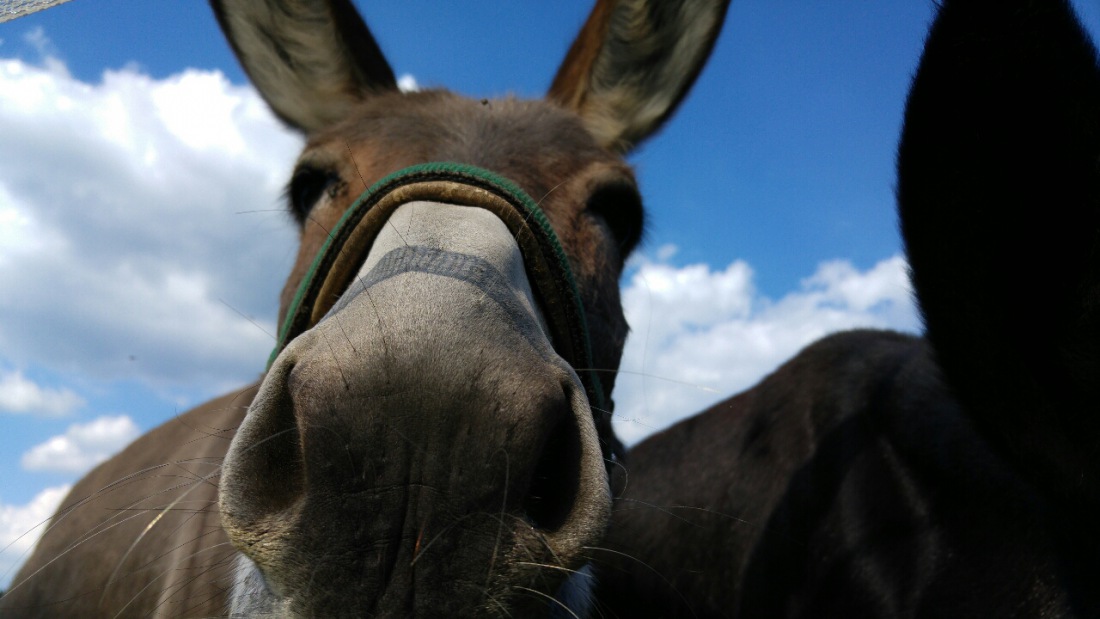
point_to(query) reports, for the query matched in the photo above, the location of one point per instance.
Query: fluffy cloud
(18, 394)
(699, 334)
(82, 446)
(407, 83)
(22, 525)
(141, 234)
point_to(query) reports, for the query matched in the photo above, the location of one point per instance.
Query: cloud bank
(19, 394)
(142, 241)
(22, 525)
(82, 446)
(141, 234)
(700, 334)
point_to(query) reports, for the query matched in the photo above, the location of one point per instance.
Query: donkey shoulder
(855, 451)
(160, 495)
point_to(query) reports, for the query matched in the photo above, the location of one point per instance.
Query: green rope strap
(547, 266)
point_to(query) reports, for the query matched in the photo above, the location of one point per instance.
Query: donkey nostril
(263, 473)
(556, 479)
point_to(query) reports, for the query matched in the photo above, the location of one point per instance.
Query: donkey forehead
(533, 142)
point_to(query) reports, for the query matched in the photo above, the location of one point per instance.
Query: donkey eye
(620, 206)
(306, 187)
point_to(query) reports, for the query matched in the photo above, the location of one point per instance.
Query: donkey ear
(311, 60)
(632, 64)
(999, 197)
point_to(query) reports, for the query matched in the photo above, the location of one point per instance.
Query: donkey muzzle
(424, 446)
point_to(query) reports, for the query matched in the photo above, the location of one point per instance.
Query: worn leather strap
(548, 271)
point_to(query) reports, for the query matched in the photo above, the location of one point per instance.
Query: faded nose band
(339, 260)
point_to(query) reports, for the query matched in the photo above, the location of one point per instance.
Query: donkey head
(432, 437)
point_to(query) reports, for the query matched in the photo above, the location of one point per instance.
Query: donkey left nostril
(556, 478)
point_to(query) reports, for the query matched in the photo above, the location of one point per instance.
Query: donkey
(882, 475)
(431, 437)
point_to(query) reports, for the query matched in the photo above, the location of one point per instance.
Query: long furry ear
(633, 62)
(999, 197)
(310, 59)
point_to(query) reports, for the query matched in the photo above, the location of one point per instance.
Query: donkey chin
(438, 456)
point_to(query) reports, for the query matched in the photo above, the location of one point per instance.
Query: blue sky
(139, 177)
(788, 137)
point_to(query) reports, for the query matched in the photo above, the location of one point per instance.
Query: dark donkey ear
(633, 62)
(999, 196)
(311, 60)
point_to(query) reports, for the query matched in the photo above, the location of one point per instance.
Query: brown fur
(319, 68)
(627, 51)
(141, 533)
(881, 475)
(334, 63)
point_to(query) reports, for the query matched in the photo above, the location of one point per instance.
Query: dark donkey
(881, 475)
(431, 439)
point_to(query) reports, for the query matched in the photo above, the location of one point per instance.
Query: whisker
(182, 585)
(649, 567)
(249, 319)
(64, 512)
(439, 535)
(354, 163)
(75, 545)
(149, 527)
(162, 512)
(551, 598)
(503, 507)
(555, 567)
(550, 191)
(335, 358)
(260, 210)
(666, 379)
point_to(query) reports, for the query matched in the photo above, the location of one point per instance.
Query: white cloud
(407, 83)
(139, 218)
(699, 334)
(82, 446)
(19, 394)
(17, 231)
(36, 38)
(43, 46)
(22, 525)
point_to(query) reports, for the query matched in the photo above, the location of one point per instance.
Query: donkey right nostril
(263, 470)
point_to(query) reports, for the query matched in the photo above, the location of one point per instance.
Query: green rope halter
(552, 280)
